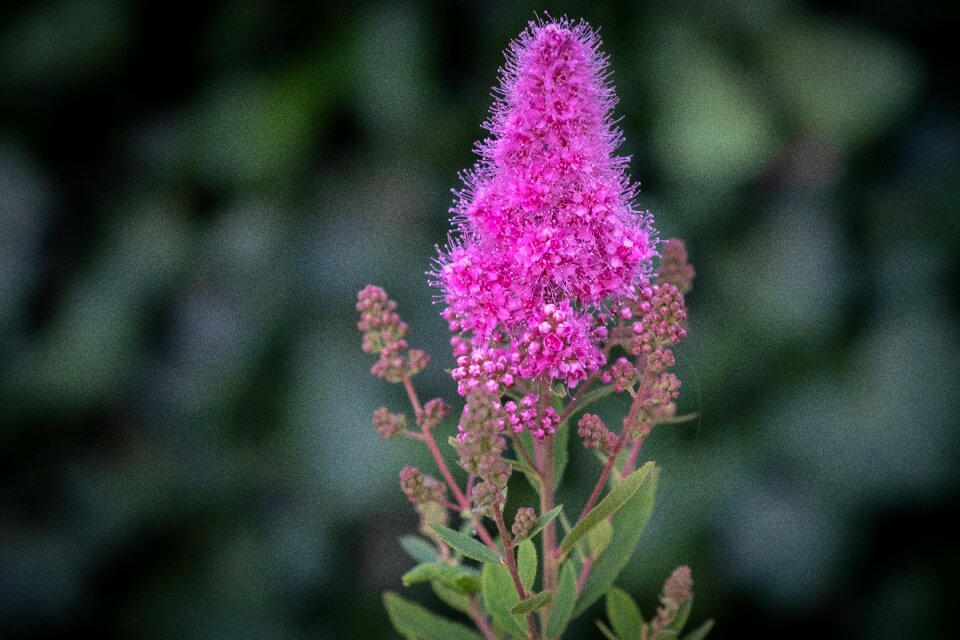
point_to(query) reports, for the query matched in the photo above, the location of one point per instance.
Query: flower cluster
(559, 343)
(547, 233)
(527, 416)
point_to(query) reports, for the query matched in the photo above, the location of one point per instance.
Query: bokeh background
(192, 193)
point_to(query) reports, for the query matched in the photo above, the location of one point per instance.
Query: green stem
(512, 563)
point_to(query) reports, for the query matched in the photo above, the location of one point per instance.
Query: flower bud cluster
(595, 433)
(491, 369)
(379, 322)
(523, 522)
(662, 319)
(433, 413)
(663, 393)
(675, 267)
(526, 416)
(388, 425)
(421, 488)
(622, 374)
(485, 494)
(676, 591)
(428, 496)
(479, 443)
(383, 333)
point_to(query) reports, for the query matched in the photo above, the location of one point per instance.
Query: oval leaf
(470, 547)
(412, 619)
(533, 602)
(500, 596)
(419, 549)
(628, 526)
(599, 537)
(563, 604)
(624, 614)
(606, 507)
(430, 571)
(527, 563)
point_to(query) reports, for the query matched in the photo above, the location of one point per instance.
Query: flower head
(546, 220)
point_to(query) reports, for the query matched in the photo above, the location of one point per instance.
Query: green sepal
(628, 525)
(500, 596)
(563, 603)
(623, 613)
(467, 546)
(613, 501)
(412, 620)
(532, 603)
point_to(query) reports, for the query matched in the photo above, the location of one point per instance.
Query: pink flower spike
(546, 216)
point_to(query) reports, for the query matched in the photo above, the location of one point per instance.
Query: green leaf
(430, 571)
(469, 583)
(700, 632)
(681, 617)
(527, 563)
(563, 604)
(413, 620)
(628, 526)
(609, 635)
(609, 505)
(454, 598)
(599, 537)
(687, 417)
(593, 395)
(527, 470)
(419, 549)
(623, 613)
(544, 520)
(466, 545)
(533, 603)
(500, 596)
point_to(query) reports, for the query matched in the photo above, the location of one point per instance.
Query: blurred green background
(192, 193)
